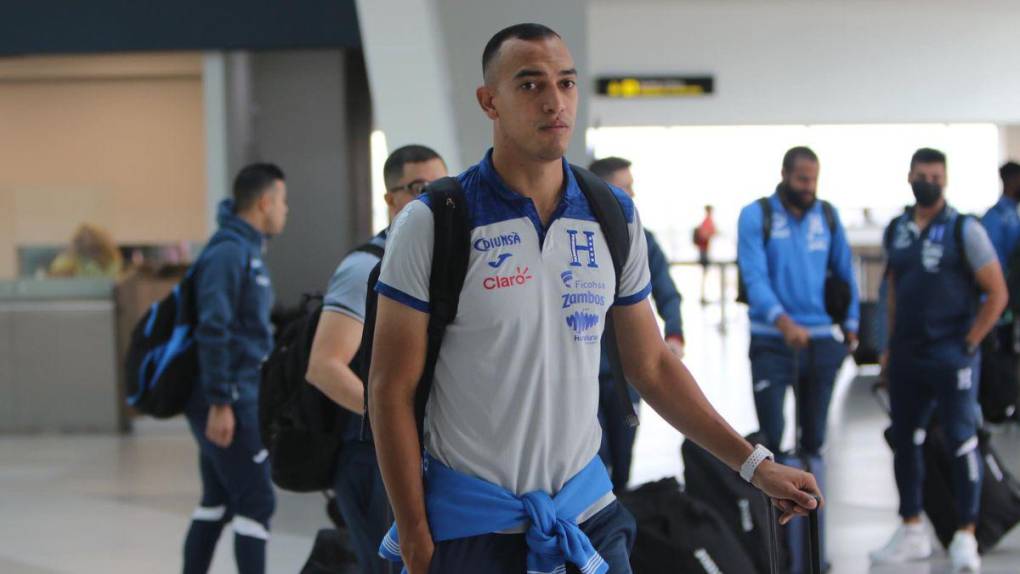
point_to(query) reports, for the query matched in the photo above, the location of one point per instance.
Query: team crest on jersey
(582, 249)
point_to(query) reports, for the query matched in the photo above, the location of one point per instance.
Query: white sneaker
(963, 551)
(910, 542)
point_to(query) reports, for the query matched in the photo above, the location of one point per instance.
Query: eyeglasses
(414, 188)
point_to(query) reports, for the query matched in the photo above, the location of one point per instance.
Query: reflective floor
(107, 504)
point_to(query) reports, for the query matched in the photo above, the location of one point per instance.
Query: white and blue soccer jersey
(515, 395)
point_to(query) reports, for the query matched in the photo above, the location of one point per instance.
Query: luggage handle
(815, 554)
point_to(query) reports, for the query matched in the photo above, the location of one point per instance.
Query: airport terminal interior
(123, 126)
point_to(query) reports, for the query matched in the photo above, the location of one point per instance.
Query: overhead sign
(655, 86)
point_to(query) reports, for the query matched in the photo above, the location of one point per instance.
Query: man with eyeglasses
(360, 496)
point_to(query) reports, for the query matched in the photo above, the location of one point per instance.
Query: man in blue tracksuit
(792, 332)
(233, 335)
(999, 359)
(1002, 221)
(360, 496)
(939, 264)
(617, 436)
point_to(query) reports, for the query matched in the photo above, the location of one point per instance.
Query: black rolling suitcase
(814, 554)
(677, 533)
(740, 504)
(1000, 491)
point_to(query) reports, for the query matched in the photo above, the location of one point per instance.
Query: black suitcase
(330, 554)
(740, 504)
(814, 545)
(999, 390)
(1000, 491)
(677, 533)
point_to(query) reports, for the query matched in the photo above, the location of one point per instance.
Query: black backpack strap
(372, 249)
(961, 220)
(450, 255)
(766, 219)
(609, 213)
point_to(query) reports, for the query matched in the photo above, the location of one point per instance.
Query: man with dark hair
(233, 298)
(1002, 221)
(360, 496)
(788, 246)
(511, 429)
(940, 262)
(617, 436)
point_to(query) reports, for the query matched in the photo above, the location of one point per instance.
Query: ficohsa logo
(519, 277)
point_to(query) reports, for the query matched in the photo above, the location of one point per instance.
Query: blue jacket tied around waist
(461, 506)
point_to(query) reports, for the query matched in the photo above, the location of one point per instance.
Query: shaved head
(517, 31)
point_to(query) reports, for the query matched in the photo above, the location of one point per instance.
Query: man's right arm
(337, 339)
(398, 360)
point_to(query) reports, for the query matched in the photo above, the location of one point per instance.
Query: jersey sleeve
(977, 245)
(349, 286)
(407, 264)
(635, 282)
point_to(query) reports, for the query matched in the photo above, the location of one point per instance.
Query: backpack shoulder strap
(766, 219)
(450, 253)
(609, 213)
(830, 216)
(961, 220)
(371, 248)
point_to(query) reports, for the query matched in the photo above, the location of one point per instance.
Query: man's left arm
(669, 388)
(984, 262)
(664, 292)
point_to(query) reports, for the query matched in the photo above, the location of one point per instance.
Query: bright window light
(677, 170)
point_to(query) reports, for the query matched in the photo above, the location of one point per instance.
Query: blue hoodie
(788, 275)
(233, 296)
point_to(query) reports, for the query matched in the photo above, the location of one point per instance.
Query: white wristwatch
(760, 455)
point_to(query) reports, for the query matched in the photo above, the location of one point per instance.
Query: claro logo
(518, 278)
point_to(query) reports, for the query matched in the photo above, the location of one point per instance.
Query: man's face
(934, 173)
(623, 179)
(273, 205)
(531, 95)
(802, 180)
(416, 176)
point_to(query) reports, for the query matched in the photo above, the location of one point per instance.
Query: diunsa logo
(502, 240)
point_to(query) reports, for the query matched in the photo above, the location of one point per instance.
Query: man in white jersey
(512, 481)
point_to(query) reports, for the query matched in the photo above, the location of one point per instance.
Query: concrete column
(425, 61)
(214, 96)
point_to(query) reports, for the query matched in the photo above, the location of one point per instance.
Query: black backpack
(450, 258)
(741, 506)
(678, 533)
(300, 426)
(161, 365)
(837, 290)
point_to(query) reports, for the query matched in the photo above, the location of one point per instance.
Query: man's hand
(852, 341)
(219, 428)
(676, 345)
(417, 553)
(796, 337)
(792, 490)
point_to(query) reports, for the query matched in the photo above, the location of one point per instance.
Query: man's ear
(485, 96)
(388, 198)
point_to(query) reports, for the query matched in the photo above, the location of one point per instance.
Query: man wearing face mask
(940, 262)
(788, 244)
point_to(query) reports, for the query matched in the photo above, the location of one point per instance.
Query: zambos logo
(579, 321)
(588, 298)
(520, 277)
(503, 240)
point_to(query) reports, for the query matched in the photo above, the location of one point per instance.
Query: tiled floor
(106, 504)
